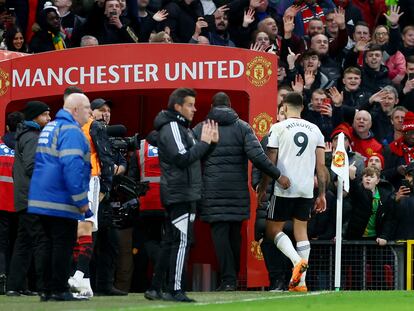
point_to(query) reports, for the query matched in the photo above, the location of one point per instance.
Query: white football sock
(303, 248)
(78, 275)
(285, 245)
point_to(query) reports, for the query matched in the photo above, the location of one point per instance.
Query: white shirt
(296, 141)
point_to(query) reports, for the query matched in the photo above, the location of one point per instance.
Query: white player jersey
(296, 141)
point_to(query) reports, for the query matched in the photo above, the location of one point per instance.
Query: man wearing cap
(400, 152)
(107, 242)
(376, 160)
(30, 237)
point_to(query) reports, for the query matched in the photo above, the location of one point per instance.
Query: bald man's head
(79, 107)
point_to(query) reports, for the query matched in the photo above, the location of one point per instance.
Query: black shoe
(17, 293)
(153, 294)
(111, 292)
(44, 297)
(67, 296)
(277, 286)
(3, 281)
(13, 293)
(27, 292)
(177, 297)
(226, 288)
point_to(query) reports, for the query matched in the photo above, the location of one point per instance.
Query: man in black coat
(30, 237)
(226, 201)
(180, 154)
(404, 209)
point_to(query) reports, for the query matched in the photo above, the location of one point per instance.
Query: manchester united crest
(258, 71)
(256, 250)
(339, 159)
(262, 123)
(4, 82)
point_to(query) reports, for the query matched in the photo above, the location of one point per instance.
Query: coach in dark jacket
(179, 155)
(226, 200)
(30, 238)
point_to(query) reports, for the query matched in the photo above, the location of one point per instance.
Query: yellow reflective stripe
(55, 206)
(79, 197)
(6, 179)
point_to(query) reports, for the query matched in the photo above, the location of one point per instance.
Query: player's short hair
(293, 99)
(178, 95)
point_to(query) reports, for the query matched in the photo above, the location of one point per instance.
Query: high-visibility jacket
(150, 171)
(6, 178)
(96, 165)
(60, 180)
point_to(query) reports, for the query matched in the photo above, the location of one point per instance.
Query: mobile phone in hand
(327, 101)
(406, 183)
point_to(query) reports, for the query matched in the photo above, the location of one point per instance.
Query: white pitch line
(172, 305)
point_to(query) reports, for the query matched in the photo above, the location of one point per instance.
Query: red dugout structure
(138, 78)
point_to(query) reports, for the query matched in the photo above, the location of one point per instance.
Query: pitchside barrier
(365, 266)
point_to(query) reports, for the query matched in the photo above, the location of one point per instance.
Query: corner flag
(340, 166)
(340, 162)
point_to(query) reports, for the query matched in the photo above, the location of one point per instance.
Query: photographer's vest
(6, 178)
(96, 165)
(150, 171)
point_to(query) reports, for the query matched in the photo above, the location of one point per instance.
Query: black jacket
(179, 155)
(261, 211)
(27, 135)
(404, 216)
(362, 209)
(103, 148)
(225, 175)
(42, 42)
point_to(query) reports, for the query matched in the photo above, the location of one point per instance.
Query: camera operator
(107, 241)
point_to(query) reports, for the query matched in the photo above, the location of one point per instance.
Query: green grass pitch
(240, 301)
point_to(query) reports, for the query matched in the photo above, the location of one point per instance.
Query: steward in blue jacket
(60, 180)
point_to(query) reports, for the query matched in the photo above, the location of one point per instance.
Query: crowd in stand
(352, 61)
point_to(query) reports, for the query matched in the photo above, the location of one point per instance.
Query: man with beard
(49, 37)
(220, 36)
